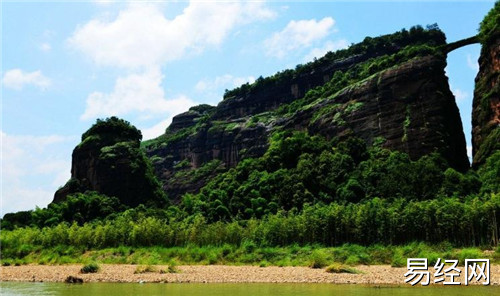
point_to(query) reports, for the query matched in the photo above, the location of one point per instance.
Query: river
(124, 289)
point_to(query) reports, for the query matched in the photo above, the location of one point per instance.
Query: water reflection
(113, 289)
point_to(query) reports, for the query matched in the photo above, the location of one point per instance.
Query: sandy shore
(375, 274)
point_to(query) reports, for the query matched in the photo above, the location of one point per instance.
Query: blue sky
(64, 64)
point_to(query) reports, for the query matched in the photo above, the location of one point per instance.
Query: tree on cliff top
(113, 129)
(109, 161)
(490, 26)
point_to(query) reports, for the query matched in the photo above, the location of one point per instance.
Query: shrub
(398, 259)
(249, 246)
(352, 260)
(319, 259)
(339, 268)
(172, 269)
(90, 268)
(226, 250)
(144, 269)
(470, 253)
(263, 263)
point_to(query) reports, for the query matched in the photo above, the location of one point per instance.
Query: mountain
(391, 89)
(389, 92)
(109, 161)
(486, 102)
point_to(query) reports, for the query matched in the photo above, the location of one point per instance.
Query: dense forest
(305, 190)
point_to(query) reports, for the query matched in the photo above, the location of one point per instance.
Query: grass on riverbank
(247, 254)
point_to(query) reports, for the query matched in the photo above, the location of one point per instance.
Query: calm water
(110, 289)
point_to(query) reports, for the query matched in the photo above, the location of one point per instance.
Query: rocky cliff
(486, 103)
(409, 107)
(109, 161)
(386, 92)
(390, 89)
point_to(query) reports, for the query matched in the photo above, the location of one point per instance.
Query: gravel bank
(375, 274)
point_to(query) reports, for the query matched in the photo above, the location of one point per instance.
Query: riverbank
(374, 274)
(248, 253)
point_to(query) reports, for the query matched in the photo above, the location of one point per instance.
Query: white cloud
(17, 147)
(212, 90)
(157, 129)
(135, 93)
(329, 46)
(104, 2)
(459, 94)
(141, 35)
(297, 35)
(141, 39)
(45, 47)
(17, 79)
(33, 168)
(224, 81)
(472, 62)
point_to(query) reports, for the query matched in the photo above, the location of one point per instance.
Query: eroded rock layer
(486, 103)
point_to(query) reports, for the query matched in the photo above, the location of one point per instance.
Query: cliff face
(269, 96)
(391, 90)
(486, 103)
(389, 95)
(200, 141)
(109, 161)
(409, 107)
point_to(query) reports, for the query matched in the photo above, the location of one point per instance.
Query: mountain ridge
(390, 91)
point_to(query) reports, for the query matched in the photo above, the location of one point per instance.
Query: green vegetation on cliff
(301, 169)
(490, 26)
(485, 116)
(416, 37)
(361, 60)
(109, 160)
(110, 131)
